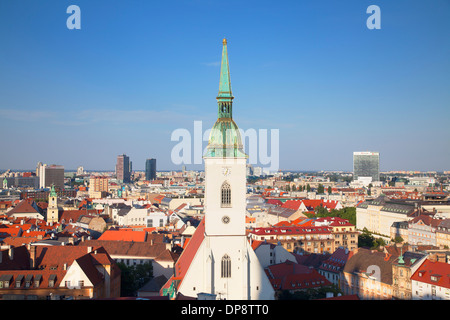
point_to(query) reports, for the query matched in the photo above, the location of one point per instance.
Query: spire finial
(225, 84)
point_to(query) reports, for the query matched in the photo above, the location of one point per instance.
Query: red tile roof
(124, 235)
(434, 273)
(293, 276)
(23, 207)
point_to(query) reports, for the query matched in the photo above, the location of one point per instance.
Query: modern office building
(123, 172)
(150, 169)
(366, 164)
(50, 175)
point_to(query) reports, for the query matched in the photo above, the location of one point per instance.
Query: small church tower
(52, 209)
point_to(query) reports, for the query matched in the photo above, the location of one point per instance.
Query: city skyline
(135, 73)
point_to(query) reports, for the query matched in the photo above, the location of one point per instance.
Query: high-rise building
(150, 169)
(50, 175)
(366, 164)
(123, 173)
(219, 262)
(99, 184)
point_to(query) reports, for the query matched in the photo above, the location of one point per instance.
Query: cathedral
(219, 263)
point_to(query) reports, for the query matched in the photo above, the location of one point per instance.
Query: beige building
(379, 214)
(443, 234)
(368, 273)
(98, 186)
(403, 268)
(298, 239)
(345, 233)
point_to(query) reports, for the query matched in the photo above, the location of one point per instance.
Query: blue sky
(138, 70)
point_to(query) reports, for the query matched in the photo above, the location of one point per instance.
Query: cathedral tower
(219, 261)
(225, 166)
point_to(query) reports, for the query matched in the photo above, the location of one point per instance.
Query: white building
(379, 214)
(269, 254)
(431, 281)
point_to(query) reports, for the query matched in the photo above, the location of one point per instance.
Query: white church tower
(219, 262)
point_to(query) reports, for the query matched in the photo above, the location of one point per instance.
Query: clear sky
(138, 70)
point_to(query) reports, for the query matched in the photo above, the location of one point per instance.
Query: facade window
(226, 195)
(226, 267)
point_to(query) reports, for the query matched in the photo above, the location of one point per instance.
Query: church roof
(24, 207)
(188, 254)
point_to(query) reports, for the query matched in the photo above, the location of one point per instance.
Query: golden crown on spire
(224, 41)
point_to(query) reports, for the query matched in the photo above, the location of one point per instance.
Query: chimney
(89, 249)
(11, 253)
(32, 250)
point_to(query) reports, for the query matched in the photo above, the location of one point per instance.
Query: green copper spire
(225, 139)
(400, 258)
(225, 83)
(225, 97)
(53, 192)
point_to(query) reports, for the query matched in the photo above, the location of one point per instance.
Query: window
(226, 267)
(51, 280)
(226, 195)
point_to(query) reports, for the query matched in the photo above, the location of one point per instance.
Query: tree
(321, 211)
(365, 239)
(308, 294)
(320, 189)
(329, 190)
(134, 277)
(308, 188)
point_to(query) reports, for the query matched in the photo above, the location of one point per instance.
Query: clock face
(226, 171)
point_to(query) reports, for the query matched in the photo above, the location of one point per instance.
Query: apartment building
(298, 239)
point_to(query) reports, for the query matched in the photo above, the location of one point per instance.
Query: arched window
(225, 195)
(226, 267)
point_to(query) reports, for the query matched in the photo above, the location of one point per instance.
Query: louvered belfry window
(226, 195)
(226, 267)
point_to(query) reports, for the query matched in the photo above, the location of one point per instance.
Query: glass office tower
(366, 164)
(150, 169)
